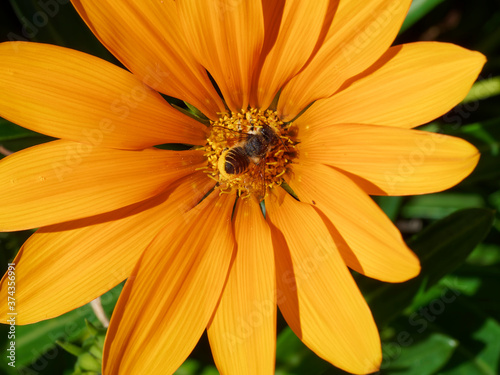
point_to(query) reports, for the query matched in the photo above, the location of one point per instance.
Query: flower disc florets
(250, 151)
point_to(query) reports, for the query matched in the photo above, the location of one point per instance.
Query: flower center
(250, 151)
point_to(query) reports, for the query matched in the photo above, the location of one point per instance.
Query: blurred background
(446, 321)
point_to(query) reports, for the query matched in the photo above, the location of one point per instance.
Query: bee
(253, 149)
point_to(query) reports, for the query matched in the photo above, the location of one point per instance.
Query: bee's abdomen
(236, 161)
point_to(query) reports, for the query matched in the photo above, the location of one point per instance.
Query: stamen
(248, 152)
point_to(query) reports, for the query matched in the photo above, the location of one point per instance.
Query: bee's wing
(233, 137)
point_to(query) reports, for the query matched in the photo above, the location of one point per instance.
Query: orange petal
(80, 260)
(69, 94)
(392, 161)
(63, 180)
(172, 293)
(146, 37)
(226, 37)
(316, 293)
(243, 330)
(410, 85)
(300, 24)
(368, 241)
(360, 33)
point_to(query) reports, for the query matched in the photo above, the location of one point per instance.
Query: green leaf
(210, 370)
(403, 356)
(479, 349)
(445, 245)
(10, 131)
(494, 199)
(462, 306)
(35, 22)
(439, 205)
(483, 89)
(484, 135)
(14, 138)
(55, 22)
(34, 340)
(197, 113)
(418, 9)
(191, 112)
(189, 367)
(390, 205)
(441, 247)
(294, 358)
(485, 255)
(71, 348)
(472, 317)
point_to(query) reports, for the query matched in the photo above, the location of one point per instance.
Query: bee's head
(268, 133)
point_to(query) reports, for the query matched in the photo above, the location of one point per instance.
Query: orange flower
(311, 94)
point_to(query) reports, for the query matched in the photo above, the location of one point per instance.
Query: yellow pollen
(249, 151)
